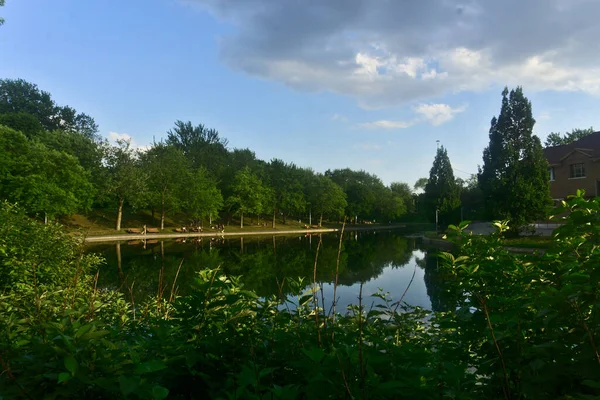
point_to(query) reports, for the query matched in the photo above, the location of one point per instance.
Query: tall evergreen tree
(441, 191)
(514, 176)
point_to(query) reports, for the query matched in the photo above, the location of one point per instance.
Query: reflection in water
(383, 260)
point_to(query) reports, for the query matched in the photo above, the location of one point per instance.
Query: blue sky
(365, 84)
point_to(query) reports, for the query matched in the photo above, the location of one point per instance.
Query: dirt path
(122, 237)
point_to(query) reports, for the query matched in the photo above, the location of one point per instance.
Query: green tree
(402, 192)
(514, 176)
(248, 194)
(420, 184)
(42, 180)
(126, 180)
(201, 197)
(1, 19)
(362, 190)
(288, 189)
(556, 139)
(167, 169)
(20, 96)
(441, 191)
(327, 198)
(203, 146)
(23, 122)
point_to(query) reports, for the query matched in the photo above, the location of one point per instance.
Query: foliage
(249, 194)
(203, 146)
(1, 19)
(327, 198)
(20, 96)
(126, 180)
(42, 180)
(521, 327)
(441, 191)
(167, 170)
(514, 176)
(556, 139)
(201, 197)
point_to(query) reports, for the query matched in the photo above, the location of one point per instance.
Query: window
(577, 171)
(551, 172)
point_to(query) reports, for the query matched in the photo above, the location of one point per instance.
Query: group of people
(219, 227)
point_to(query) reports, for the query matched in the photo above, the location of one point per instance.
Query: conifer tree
(514, 176)
(441, 191)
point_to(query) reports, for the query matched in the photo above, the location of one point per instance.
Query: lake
(377, 259)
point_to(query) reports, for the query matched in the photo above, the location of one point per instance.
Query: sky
(364, 84)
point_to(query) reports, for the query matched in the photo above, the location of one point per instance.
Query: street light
(437, 212)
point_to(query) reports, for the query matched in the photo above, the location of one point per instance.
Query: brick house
(575, 166)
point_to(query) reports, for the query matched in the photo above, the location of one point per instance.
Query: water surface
(386, 260)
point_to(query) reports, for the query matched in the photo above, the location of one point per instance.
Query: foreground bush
(524, 327)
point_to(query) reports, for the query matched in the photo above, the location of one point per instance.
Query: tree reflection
(260, 262)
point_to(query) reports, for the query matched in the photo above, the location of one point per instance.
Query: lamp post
(437, 212)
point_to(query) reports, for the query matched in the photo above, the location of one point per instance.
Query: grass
(101, 222)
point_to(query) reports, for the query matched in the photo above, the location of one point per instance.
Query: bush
(525, 326)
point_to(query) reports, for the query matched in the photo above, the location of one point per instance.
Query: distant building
(575, 166)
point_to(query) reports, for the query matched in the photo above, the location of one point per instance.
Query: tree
(556, 139)
(203, 146)
(362, 190)
(23, 122)
(20, 96)
(248, 194)
(402, 192)
(441, 192)
(42, 180)
(201, 198)
(167, 169)
(126, 180)
(514, 176)
(327, 198)
(420, 184)
(288, 189)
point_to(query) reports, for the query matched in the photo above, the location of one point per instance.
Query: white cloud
(434, 113)
(386, 124)
(438, 114)
(114, 136)
(386, 53)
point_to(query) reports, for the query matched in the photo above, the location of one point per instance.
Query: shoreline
(134, 236)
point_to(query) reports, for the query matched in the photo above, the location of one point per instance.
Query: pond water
(386, 260)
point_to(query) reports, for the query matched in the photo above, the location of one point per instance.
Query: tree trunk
(321, 220)
(120, 214)
(284, 218)
(242, 219)
(45, 218)
(273, 219)
(162, 215)
(258, 220)
(119, 262)
(210, 219)
(242, 244)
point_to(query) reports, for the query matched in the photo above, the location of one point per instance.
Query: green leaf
(71, 364)
(592, 384)
(63, 377)
(150, 366)
(315, 354)
(127, 385)
(159, 393)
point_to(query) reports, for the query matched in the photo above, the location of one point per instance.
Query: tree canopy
(441, 191)
(514, 176)
(556, 139)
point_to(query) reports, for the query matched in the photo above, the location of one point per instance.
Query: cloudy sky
(365, 84)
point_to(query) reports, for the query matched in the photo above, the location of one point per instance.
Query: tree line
(55, 163)
(513, 182)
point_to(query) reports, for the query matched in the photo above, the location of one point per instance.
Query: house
(575, 166)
